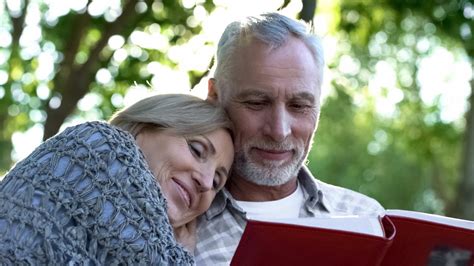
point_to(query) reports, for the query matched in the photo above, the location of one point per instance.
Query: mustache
(266, 144)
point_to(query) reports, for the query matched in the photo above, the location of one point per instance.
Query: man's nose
(278, 124)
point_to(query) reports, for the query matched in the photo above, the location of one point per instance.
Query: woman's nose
(203, 180)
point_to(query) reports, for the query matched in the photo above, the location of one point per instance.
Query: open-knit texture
(86, 197)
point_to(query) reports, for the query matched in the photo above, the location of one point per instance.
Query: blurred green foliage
(411, 159)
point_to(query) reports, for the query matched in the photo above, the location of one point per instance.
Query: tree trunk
(464, 206)
(5, 136)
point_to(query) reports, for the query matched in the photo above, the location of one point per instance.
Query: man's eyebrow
(251, 93)
(299, 95)
(305, 96)
(210, 145)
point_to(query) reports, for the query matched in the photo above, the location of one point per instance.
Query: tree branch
(285, 4)
(308, 10)
(77, 84)
(66, 67)
(198, 79)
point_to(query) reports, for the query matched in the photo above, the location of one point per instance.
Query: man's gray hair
(184, 115)
(274, 30)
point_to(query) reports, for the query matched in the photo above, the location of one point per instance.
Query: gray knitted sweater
(86, 197)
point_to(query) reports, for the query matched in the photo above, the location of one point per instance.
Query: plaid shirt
(221, 227)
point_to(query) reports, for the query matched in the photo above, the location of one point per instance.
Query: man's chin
(265, 172)
(269, 175)
(265, 164)
(269, 181)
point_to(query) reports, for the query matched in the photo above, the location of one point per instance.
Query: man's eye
(197, 149)
(300, 107)
(255, 105)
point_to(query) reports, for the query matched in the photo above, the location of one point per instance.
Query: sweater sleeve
(86, 195)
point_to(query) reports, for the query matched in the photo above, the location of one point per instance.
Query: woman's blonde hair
(184, 115)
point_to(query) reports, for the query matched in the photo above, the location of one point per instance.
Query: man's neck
(244, 190)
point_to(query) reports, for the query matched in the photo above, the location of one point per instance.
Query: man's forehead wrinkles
(283, 67)
(292, 94)
(282, 71)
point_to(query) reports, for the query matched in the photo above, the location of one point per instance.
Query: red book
(398, 238)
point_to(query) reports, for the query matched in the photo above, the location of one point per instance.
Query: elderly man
(268, 76)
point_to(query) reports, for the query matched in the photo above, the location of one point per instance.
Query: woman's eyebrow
(211, 146)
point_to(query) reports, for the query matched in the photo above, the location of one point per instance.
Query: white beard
(268, 173)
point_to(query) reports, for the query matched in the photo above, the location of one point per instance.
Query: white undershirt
(288, 207)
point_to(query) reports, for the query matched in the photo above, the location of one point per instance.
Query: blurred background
(397, 121)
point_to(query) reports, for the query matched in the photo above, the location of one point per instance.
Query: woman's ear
(212, 91)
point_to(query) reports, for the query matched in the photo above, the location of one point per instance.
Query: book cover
(398, 238)
(433, 240)
(273, 243)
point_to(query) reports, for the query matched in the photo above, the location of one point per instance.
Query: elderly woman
(118, 192)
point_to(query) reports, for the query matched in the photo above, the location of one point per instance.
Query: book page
(433, 218)
(356, 224)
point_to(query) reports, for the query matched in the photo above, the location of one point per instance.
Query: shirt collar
(312, 190)
(219, 204)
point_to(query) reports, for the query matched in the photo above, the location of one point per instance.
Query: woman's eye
(197, 149)
(216, 183)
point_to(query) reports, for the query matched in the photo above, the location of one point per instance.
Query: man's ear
(212, 90)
